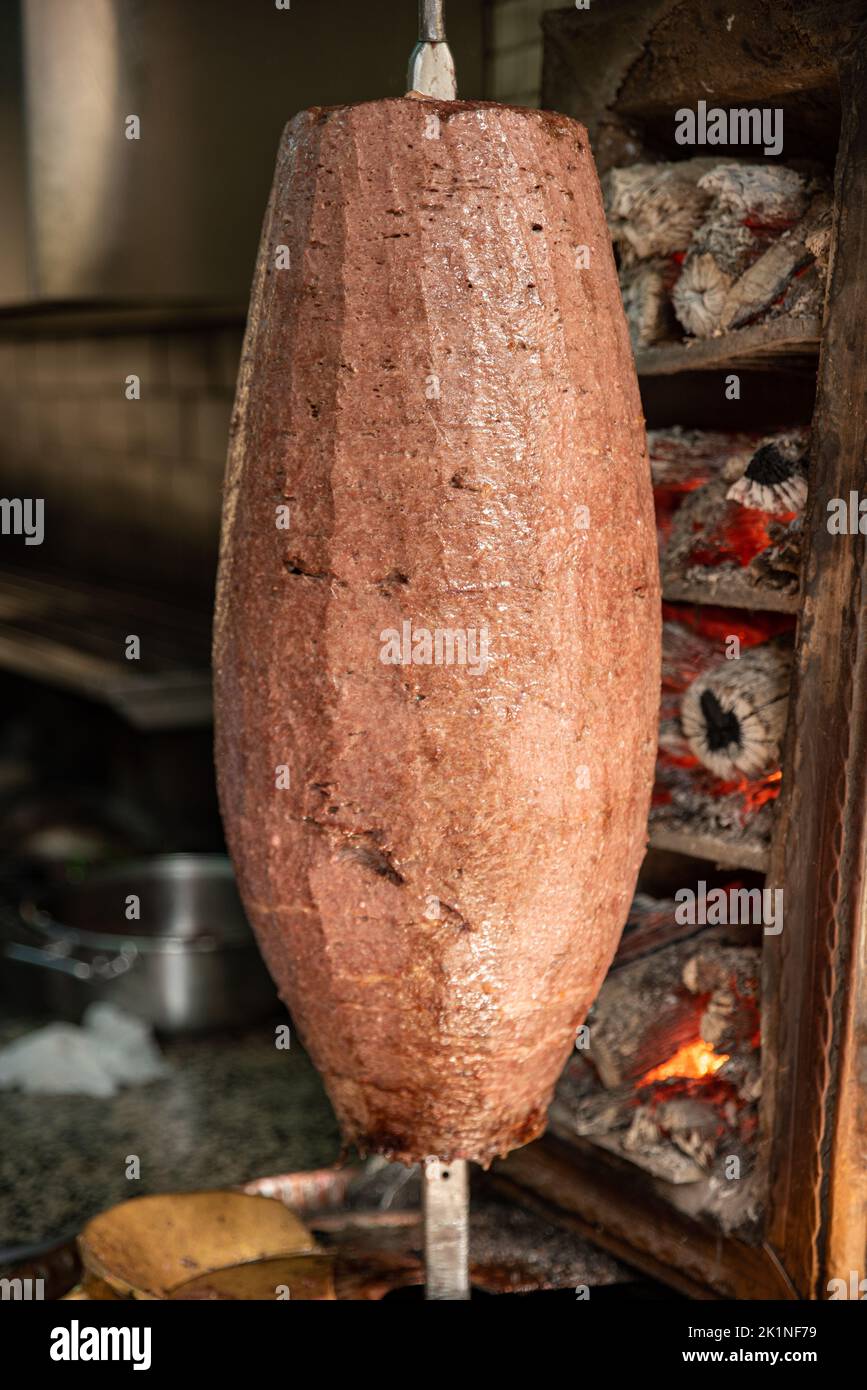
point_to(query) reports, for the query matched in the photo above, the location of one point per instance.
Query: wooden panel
(710, 847)
(761, 347)
(732, 592)
(814, 1020)
(652, 56)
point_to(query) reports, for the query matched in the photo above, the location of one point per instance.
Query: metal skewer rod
(445, 1202)
(432, 67)
(431, 21)
(445, 1186)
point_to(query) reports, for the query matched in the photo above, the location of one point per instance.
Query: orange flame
(755, 794)
(693, 1060)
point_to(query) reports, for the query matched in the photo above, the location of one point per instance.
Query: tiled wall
(132, 487)
(514, 57)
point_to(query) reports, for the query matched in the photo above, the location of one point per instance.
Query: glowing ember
(667, 498)
(694, 1060)
(766, 790)
(755, 794)
(692, 637)
(740, 533)
(717, 623)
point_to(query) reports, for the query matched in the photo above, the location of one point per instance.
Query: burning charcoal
(818, 241)
(768, 194)
(680, 1119)
(689, 801)
(687, 458)
(756, 240)
(721, 250)
(730, 976)
(643, 1132)
(645, 299)
(744, 254)
(804, 298)
(734, 716)
(693, 1126)
(775, 479)
(683, 460)
(642, 1017)
(779, 567)
(653, 209)
(712, 540)
(744, 1071)
(742, 815)
(768, 278)
(700, 295)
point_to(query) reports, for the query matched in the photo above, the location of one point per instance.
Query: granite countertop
(235, 1108)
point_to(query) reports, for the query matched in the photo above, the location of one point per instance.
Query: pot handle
(101, 967)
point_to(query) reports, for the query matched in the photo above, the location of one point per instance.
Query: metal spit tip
(446, 1204)
(432, 67)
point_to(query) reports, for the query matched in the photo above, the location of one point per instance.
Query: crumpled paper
(109, 1050)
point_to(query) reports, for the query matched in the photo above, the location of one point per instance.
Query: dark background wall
(176, 214)
(120, 257)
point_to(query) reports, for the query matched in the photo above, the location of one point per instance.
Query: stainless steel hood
(173, 216)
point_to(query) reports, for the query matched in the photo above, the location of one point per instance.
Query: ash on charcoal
(720, 252)
(699, 297)
(769, 195)
(734, 715)
(689, 799)
(694, 808)
(764, 283)
(717, 244)
(804, 298)
(779, 567)
(653, 209)
(775, 478)
(691, 457)
(645, 289)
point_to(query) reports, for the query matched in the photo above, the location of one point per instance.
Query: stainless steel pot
(190, 962)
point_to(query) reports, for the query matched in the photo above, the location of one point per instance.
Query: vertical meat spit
(445, 1186)
(445, 1199)
(354, 797)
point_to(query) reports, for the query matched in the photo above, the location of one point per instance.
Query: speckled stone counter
(234, 1108)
